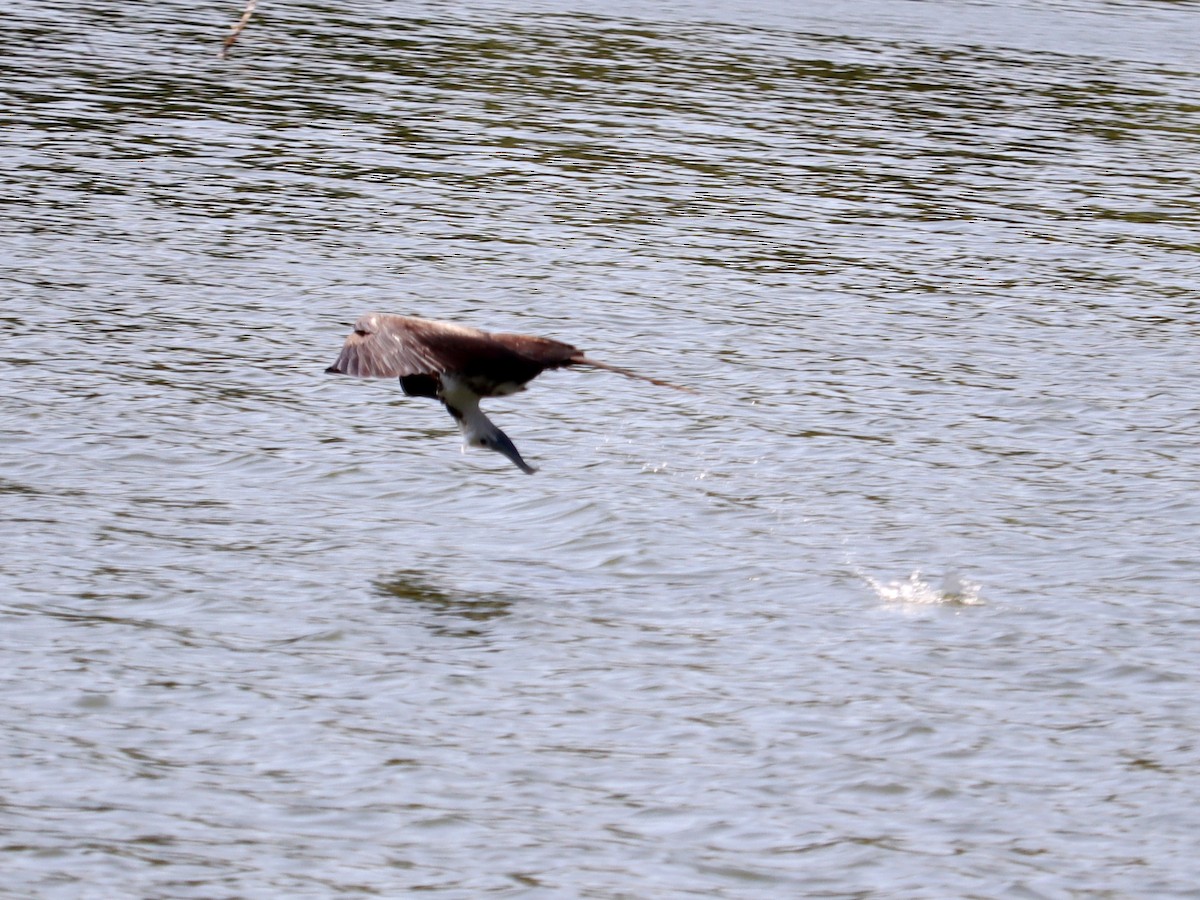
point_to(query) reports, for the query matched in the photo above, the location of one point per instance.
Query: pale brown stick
(237, 28)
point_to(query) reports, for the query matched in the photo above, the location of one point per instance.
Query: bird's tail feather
(588, 361)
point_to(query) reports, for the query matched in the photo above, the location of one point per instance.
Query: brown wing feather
(581, 360)
(554, 354)
(547, 352)
(386, 346)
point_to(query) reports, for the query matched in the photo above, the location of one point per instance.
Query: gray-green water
(901, 603)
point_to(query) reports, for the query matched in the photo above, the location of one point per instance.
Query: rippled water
(901, 603)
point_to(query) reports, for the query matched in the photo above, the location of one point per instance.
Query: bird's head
(492, 438)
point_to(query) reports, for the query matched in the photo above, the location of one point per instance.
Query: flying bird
(459, 366)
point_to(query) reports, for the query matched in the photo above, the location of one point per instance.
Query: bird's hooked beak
(497, 440)
(501, 444)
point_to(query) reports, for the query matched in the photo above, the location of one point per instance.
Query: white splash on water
(915, 590)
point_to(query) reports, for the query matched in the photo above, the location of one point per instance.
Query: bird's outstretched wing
(387, 346)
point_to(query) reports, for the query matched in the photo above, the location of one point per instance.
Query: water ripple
(930, 269)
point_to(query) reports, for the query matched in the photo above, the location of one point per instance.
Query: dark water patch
(453, 607)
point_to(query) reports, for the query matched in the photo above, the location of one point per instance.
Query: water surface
(902, 602)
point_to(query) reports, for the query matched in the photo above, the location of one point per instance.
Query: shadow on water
(451, 611)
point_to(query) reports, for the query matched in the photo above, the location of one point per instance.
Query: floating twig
(238, 27)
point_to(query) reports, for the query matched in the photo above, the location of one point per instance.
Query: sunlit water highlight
(916, 590)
